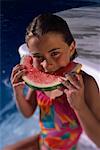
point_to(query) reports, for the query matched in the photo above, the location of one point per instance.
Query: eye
(55, 54)
(40, 58)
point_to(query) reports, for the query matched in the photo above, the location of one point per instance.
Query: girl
(64, 115)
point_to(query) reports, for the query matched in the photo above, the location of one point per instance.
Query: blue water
(15, 16)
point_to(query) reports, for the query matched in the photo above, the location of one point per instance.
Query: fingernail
(24, 67)
(63, 78)
(60, 80)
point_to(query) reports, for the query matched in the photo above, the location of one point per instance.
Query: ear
(72, 48)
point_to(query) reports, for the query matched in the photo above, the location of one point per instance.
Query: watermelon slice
(37, 79)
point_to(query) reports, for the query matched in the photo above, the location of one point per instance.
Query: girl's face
(50, 52)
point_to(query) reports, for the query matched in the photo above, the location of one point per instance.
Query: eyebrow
(36, 54)
(54, 49)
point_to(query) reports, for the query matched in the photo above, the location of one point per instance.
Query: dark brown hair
(45, 23)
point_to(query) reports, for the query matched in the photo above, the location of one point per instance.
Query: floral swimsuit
(60, 129)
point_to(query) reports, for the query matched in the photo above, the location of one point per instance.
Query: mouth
(52, 72)
(49, 72)
(59, 71)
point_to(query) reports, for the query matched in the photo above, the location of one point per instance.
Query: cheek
(63, 61)
(36, 63)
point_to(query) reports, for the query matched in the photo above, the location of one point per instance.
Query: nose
(47, 65)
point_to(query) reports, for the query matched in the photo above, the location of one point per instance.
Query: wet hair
(45, 23)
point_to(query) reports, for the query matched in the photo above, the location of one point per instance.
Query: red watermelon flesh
(37, 79)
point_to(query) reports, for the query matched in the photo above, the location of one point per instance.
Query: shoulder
(89, 80)
(91, 92)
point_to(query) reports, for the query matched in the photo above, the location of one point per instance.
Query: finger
(80, 80)
(69, 84)
(18, 76)
(74, 80)
(16, 69)
(13, 71)
(20, 83)
(69, 97)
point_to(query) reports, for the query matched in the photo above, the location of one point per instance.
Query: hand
(74, 90)
(16, 75)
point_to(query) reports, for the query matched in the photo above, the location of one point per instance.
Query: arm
(26, 104)
(90, 124)
(83, 96)
(89, 115)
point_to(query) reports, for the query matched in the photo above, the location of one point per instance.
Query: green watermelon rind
(50, 88)
(45, 87)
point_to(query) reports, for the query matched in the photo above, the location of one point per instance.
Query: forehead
(46, 42)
